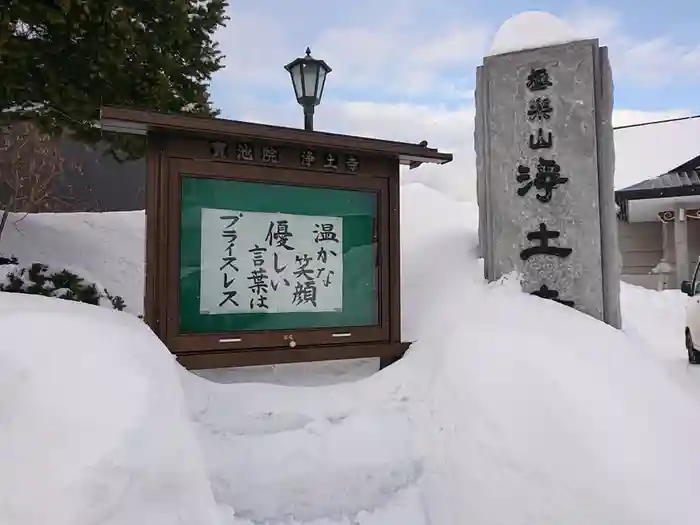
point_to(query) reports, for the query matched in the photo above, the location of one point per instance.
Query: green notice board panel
(259, 256)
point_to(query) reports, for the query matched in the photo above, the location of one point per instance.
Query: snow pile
(504, 398)
(508, 410)
(530, 30)
(658, 318)
(562, 417)
(566, 419)
(105, 248)
(93, 422)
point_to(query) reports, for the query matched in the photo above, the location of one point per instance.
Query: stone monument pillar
(545, 166)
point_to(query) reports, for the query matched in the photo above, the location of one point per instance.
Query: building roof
(691, 165)
(674, 184)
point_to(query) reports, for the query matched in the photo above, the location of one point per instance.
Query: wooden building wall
(641, 248)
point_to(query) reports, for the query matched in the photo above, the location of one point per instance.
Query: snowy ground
(508, 409)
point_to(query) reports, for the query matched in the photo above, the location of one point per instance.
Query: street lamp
(309, 78)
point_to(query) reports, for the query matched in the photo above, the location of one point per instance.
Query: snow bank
(656, 320)
(106, 248)
(540, 414)
(93, 422)
(530, 30)
(508, 409)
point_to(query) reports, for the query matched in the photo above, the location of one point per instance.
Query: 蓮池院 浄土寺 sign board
(268, 244)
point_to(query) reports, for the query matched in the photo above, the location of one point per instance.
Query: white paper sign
(270, 262)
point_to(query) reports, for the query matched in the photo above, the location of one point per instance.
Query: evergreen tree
(63, 59)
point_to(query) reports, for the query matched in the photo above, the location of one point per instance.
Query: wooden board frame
(211, 148)
(269, 339)
(171, 156)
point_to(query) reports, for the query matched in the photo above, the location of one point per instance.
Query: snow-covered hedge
(39, 279)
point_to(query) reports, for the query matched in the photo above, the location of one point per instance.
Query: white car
(692, 316)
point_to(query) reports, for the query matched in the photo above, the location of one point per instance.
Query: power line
(656, 122)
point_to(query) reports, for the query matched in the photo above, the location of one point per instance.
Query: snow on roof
(530, 30)
(645, 152)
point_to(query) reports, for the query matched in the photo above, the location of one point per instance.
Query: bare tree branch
(31, 173)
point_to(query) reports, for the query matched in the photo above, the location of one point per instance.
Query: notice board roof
(138, 122)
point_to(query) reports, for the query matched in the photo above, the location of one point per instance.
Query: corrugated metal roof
(676, 180)
(667, 180)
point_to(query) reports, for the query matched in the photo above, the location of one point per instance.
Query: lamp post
(308, 78)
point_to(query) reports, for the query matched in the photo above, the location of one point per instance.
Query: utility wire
(656, 122)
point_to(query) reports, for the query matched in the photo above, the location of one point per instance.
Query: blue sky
(404, 69)
(264, 34)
